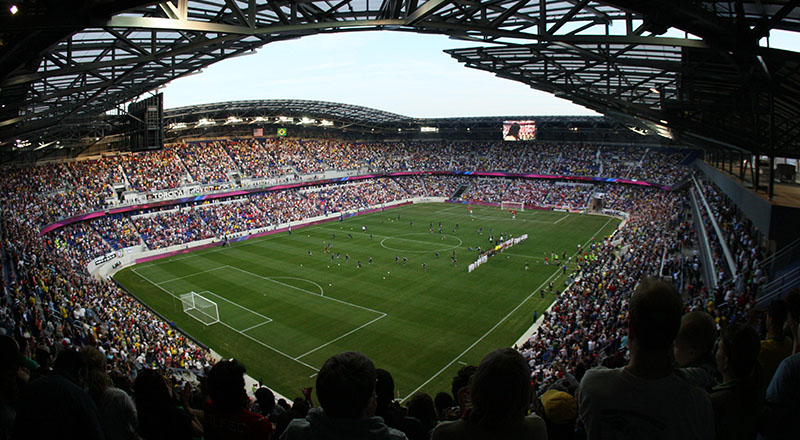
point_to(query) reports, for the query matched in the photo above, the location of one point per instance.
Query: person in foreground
(501, 397)
(646, 399)
(346, 393)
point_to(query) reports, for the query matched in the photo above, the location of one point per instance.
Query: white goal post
(516, 206)
(200, 308)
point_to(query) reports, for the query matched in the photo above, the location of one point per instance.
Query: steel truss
(60, 63)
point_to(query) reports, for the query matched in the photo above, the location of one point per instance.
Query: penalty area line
(226, 325)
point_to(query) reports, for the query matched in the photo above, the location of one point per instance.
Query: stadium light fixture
(326, 123)
(285, 119)
(259, 119)
(203, 122)
(233, 120)
(655, 90)
(14, 9)
(177, 126)
(428, 129)
(305, 120)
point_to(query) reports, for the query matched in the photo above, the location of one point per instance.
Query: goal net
(515, 206)
(200, 308)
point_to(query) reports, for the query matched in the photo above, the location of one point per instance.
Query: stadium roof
(64, 64)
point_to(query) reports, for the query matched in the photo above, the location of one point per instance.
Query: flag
(258, 132)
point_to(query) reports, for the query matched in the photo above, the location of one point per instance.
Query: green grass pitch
(283, 312)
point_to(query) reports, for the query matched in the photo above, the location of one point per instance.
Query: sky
(399, 72)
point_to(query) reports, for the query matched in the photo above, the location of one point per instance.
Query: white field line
(555, 273)
(267, 318)
(257, 325)
(340, 337)
(497, 219)
(458, 210)
(189, 276)
(393, 237)
(237, 331)
(308, 292)
(559, 220)
(382, 314)
(220, 248)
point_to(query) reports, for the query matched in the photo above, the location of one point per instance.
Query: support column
(771, 188)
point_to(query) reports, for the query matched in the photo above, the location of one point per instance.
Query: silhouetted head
(501, 387)
(655, 312)
(226, 385)
(346, 385)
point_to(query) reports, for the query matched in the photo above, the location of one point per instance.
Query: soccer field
(285, 305)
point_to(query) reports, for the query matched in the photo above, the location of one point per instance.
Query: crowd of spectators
(577, 160)
(117, 230)
(252, 158)
(50, 192)
(155, 170)
(50, 305)
(207, 162)
(739, 234)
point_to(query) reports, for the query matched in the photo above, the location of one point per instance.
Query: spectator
(693, 349)
(56, 406)
(159, 415)
(793, 317)
(560, 413)
(776, 347)
(116, 410)
(446, 408)
(736, 400)
(460, 386)
(392, 413)
(265, 402)
(645, 399)
(420, 407)
(226, 415)
(501, 397)
(783, 400)
(346, 392)
(11, 361)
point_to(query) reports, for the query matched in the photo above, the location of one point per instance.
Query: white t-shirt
(615, 404)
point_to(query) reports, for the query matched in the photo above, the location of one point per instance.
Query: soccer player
(370, 260)
(526, 265)
(396, 259)
(437, 255)
(405, 260)
(346, 258)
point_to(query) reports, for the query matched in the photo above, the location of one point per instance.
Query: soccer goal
(515, 206)
(200, 308)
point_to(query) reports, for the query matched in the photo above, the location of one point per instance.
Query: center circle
(397, 240)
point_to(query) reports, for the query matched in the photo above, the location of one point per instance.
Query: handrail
(722, 240)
